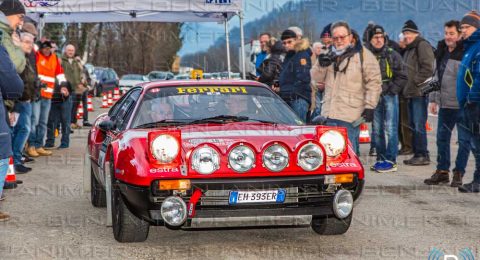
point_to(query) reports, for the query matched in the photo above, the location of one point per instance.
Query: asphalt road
(397, 217)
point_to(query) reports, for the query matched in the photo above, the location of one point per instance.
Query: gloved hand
(368, 114)
(325, 60)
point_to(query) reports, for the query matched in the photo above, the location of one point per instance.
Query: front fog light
(342, 204)
(174, 211)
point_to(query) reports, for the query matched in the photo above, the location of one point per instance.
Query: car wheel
(127, 227)
(330, 225)
(97, 192)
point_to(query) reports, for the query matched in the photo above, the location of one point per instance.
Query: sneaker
(373, 167)
(438, 177)
(21, 169)
(86, 123)
(457, 179)
(32, 152)
(373, 152)
(43, 152)
(386, 166)
(3, 197)
(471, 187)
(4, 217)
(27, 159)
(417, 161)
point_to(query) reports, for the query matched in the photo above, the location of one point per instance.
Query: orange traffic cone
(11, 179)
(428, 127)
(364, 134)
(116, 94)
(89, 103)
(109, 100)
(80, 111)
(104, 101)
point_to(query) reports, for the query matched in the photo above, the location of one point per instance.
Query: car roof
(201, 82)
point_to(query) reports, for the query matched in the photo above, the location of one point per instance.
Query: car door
(120, 117)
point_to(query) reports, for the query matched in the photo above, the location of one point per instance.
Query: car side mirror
(107, 125)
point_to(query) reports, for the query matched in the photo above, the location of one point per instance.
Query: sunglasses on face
(340, 38)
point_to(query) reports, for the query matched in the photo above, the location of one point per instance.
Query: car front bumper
(306, 195)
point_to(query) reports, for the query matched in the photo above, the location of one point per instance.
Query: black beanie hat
(11, 7)
(326, 32)
(288, 34)
(377, 29)
(410, 26)
(471, 18)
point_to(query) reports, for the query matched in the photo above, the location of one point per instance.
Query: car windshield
(132, 77)
(158, 75)
(212, 104)
(99, 72)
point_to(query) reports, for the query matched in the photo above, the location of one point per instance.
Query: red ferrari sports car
(170, 153)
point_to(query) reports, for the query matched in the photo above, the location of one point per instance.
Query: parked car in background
(215, 75)
(131, 80)
(91, 74)
(107, 80)
(160, 75)
(235, 75)
(207, 76)
(182, 77)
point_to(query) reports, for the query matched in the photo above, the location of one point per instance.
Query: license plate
(239, 197)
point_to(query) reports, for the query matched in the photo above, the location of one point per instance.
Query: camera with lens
(429, 86)
(326, 59)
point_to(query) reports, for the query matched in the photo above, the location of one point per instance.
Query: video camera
(429, 86)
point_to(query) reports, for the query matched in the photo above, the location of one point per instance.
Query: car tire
(97, 192)
(127, 228)
(330, 225)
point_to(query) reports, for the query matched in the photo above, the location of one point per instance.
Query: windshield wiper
(220, 119)
(166, 122)
(229, 118)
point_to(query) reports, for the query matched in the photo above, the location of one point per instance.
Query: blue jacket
(11, 87)
(295, 75)
(468, 80)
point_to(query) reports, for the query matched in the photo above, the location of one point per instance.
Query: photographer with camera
(385, 121)
(419, 60)
(443, 101)
(353, 82)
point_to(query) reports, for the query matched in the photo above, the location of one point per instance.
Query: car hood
(224, 136)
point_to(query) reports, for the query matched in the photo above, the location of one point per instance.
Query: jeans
(40, 112)
(76, 101)
(385, 128)
(60, 119)
(3, 173)
(418, 114)
(300, 106)
(447, 119)
(318, 105)
(21, 130)
(353, 132)
(471, 119)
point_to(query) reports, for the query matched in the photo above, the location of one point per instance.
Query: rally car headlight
(174, 211)
(333, 142)
(241, 158)
(275, 158)
(205, 160)
(165, 148)
(310, 157)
